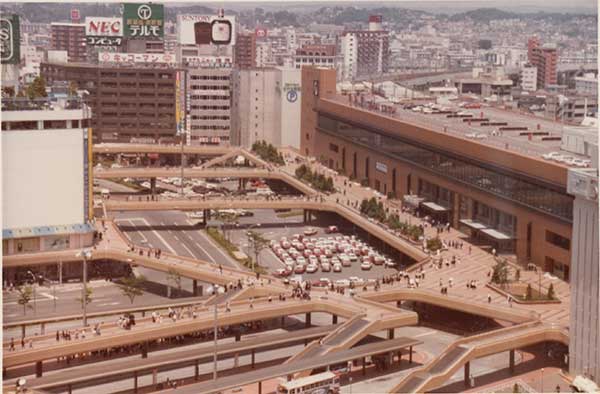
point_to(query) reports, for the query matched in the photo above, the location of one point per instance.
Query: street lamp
(542, 388)
(86, 255)
(182, 134)
(215, 290)
(253, 242)
(34, 279)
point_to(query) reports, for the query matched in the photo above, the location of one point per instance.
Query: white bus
(322, 383)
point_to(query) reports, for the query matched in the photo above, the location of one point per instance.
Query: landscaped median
(233, 251)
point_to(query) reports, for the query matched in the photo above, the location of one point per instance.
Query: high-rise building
(266, 106)
(245, 51)
(545, 58)
(69, 37)
(529, 77)
(584, 354)
(46, 156)
(366, 52)
(127, 102)
(317, 55)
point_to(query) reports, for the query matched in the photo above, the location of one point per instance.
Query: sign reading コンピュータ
(103, 31)
(145, 21)
(9, 34)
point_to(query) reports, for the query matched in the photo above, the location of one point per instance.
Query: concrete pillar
(196, 370)
(154, 376)
(60, 274)
(253, 357)
(70, 389)
(39, 369)
(145, 349)
(238, 336)
(511, 360)
(259, 387)
(364, 366)
(23, 330)
(399, 357)
(153, 186)
(334, 319)
(390, 359)
(135, 382)
(43, 328)
(410, 355)
(391, 333)
(467, 373)
(195, 287)
(307, 321)
(282, 321)
(398, 304)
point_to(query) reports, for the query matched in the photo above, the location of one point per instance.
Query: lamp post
(85, 254)
(253, 242)
(542, 388)
(216, 290)
(182, 137)
(33, 278)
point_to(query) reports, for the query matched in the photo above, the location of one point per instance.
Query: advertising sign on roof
(103, 31)
(10, 39)
(133, 58)
(143, 21)
(206, 30)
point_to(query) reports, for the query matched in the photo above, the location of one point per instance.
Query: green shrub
(267, 152)
(434, 244)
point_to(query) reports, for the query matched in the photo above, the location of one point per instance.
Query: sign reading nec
(103, 27)
(9, 36)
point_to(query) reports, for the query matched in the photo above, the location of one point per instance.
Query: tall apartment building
(69, 37)
(245, 51)
(127, 102)
(545, 58)
(265, 106)
(208, 105)
(317, 55)
(366, 52)
(584, 357)
(529, 77)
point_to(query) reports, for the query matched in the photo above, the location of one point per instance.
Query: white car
(390, 264)
(342, 282)
(325, 267)
(365, 266)
(356, 280)
(311, 268)
(352, 257)
(335, 260)
(337, 268)
(288, 261)
(312, 259)
(301, 260)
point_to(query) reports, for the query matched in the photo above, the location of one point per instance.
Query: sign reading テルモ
(145, 21)
(9, 35)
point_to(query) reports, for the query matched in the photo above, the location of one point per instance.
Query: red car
(300, 269)
(331, 230)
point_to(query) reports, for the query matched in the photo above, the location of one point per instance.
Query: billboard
(10, 38)
(144, 21)
(179, 101)
(206, 30)
(103, 31)
(260, 32)
(209, 61)
(131, 58)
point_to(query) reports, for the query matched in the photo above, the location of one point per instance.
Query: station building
(505, 199)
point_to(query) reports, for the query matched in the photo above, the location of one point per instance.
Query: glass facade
(501, 183)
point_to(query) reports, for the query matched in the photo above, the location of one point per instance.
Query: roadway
(115, 148)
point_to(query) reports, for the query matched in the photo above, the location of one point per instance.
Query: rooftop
(487, 125)
(50, 103)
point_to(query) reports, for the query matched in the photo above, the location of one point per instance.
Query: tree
(8, 91)
(228, 219)
(500, 273)
(132, 286)
(37, 88)
(257, 243)
(551, 292)
(174, 277)
(517, 275)
(25, 296)
(529, 294)
(516, 388)
(88, 296)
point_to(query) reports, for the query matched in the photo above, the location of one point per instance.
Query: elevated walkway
(161, 148)
(461, 352)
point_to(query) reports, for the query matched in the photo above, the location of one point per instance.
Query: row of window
(209, 77)
(210, 87)
(213, 127)
(209, 107)
(210, 117)
(209, 97)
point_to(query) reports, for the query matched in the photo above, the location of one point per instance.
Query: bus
(322, 383)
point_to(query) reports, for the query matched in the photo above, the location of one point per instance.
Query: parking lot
(274, 228)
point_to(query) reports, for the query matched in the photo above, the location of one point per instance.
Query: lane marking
(424, 334)
(47, 295)
(130, 220)
(157, 235)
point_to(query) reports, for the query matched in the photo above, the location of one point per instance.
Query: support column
(282, 321)
(145, 349)
(364, 366)
(43, 329)
(390, 360)
(152, 187)
(70, 389)
(60, 266)
(253, 358)
(334, 319)
(391, 333)
(410, 356)
(511, 360)
(135, 381)
(236, 360)
(467, 373)
(307, 321)
(195, 287)
(398, 304)
(154, 376)
(23, 330)
(399, 357)
(39, 369)
(196, 370)
(259, 387)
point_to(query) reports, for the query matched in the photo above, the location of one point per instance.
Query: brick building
(545, 58)
(245, 51)
(69, 37)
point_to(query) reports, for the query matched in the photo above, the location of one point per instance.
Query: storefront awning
(473, 224)
(434, 207)
(413, 200)
(497, 235)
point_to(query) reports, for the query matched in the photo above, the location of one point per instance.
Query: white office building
(587, 84)
(529, 78)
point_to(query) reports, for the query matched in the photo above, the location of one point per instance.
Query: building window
(558, 240)
(334, 148)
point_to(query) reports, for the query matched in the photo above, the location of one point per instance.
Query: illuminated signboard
(122, 58)
(10, 38)
(103, 31)
(145, 21)
(206, 30)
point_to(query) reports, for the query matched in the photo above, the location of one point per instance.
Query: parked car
(325, 267)
(312, 268)
(337, 268)
(310, 231)
(365, 266)
(331, 230)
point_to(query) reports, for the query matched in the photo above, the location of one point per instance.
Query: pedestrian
(221, 269)
(57, 336)
(22, 342)
(489, 298)
(12, 344)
